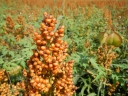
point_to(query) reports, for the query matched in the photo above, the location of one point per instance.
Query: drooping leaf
(122, 66)
(76, 78)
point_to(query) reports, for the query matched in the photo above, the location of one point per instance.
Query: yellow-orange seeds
(38, 37)
(45, 32)
(35, 34)
(42, 65)
(49, 60)
(39, 62)
(48, 21)
(47, 51)
(51, 33)
(46, 89)
(37, 66)
(35, 63)
(45, 56)
(43, 42)
(32, 71)
(35, 59)
(30, 66)
(48, 85)
(57, 45)
(61, 47)
(54, 20)
(56, 34)
(50, 16)
(36, 54)
(41, 52)
(52, 45)
(34, 39)
(49, 28)
(43, 25)
(32, 81)
(42, 86)
(61, 35)
(47, 68)
(46, 81)
(38, 42)
(48, 37)
(56, 49)
(43, 48)
(51, 65)
(61, 31)
(55, 54)
(58, 40)
(52, 24)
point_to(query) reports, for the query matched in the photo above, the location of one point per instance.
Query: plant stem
(99, 89)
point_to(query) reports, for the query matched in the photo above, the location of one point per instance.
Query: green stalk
(99, 89)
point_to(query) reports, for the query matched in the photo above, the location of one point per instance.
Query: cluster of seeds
(105, 55)
(64, 85)
(19, 32)
(9, 25)
(7, 89)
(111, 88)
(3, 76)
(48, 73)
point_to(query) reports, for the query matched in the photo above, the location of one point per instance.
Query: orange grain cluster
(105, 55)
(112, 87)
(3, 76)
(62, 6)
(9, 25)
(7, 89)
(19, 29)
(48, 73)
(76, 3)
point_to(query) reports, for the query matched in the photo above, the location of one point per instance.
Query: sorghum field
(63, 48)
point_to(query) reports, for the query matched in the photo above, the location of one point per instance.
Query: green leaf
(114, 77)
(58, 22)
(23, 64)
(75, 57)
(122, 66)
(84, 86)
(1, 61)
(75, 79)
(93, 62)
(92, 94)
(82, 90)
(11, 53)
(4, 51)
(9, 66)
(101, 72)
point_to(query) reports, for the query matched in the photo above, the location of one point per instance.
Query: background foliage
(83, 22)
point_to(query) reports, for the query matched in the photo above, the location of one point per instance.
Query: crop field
(63, 47)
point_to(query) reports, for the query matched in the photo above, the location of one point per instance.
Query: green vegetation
(99, 69)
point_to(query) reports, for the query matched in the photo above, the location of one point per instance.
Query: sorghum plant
(49, 74)
(7, 89)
